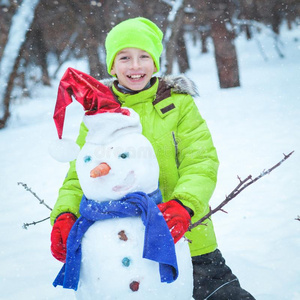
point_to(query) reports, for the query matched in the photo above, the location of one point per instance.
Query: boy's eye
(124, 58)
(124, 155)
(87, 158)
(145, 56)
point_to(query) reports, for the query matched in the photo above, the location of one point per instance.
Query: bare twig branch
(34, 194)
(25, 225)
(239, 188)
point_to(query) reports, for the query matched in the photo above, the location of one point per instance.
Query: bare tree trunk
(96, 67)
(9, 88)
(64, 56)
(175, 20)
(12, 54)
(204, 35)
(6, 22)
(225, 52)
(42, 55)
(276, 17)
(181, 53)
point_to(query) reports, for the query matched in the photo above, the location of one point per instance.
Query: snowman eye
(124, 155)
(87, 159)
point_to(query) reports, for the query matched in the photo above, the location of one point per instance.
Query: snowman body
(112, 264)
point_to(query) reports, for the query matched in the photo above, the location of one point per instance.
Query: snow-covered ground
(252, 126)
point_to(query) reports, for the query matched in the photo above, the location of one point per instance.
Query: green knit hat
(134, 33)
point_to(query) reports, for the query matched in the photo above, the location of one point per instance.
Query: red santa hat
(92, 95)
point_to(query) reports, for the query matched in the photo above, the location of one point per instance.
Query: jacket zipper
(176, 148)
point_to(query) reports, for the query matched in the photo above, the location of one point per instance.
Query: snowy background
(252, 126)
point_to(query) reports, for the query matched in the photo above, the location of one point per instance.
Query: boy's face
(134, 68)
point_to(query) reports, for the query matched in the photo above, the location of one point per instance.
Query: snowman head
(116, 158)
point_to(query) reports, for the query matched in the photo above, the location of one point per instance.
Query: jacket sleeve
(70, 193)
(197, 159)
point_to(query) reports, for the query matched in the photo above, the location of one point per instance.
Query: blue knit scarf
(158, 242)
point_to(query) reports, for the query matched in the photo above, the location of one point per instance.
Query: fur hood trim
(179, 83)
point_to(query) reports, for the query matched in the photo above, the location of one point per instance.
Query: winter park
(252, 111)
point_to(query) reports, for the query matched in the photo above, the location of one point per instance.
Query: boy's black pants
(213, 279)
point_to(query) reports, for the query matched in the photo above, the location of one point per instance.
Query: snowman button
(122, 236)
(134, 286)
(126, 262)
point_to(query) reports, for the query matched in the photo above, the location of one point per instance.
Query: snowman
(120, 247)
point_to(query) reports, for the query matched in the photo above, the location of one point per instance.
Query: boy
(183, 146)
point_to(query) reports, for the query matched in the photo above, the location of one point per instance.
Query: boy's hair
(134, 33)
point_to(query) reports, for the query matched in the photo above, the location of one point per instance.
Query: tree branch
(26, 225)
(34, 194)
(239, 188)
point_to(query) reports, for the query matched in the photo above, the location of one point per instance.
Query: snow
(252, 126)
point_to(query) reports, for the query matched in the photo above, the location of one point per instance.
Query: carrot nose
(101, 170)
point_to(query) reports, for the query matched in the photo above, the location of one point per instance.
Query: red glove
(59, 235)
(177, 217)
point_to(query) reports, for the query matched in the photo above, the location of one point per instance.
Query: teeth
(136, 76)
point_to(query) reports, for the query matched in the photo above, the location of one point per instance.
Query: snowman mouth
(127, 183)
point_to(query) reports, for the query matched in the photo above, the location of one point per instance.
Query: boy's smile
(134, 68)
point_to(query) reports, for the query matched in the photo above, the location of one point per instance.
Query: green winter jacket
(182, 143)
